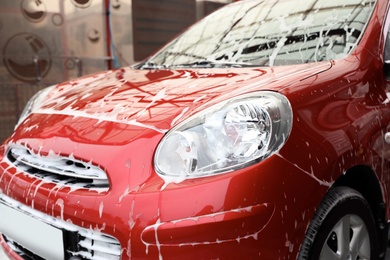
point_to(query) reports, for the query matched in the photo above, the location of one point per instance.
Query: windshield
(269, 33)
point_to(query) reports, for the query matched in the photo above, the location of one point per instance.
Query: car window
(387, 46)
(270, 33)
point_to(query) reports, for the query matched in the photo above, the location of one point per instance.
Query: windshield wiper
(196, 64)
(210, 64)
(152, 65)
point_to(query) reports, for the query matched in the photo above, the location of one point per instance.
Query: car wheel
(342, 228)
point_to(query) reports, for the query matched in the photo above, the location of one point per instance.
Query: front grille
(79, 243)
(58, 169)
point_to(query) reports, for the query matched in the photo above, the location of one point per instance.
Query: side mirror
(387, 69)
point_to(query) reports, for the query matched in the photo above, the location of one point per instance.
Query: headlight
(225, 137)
(33, 103)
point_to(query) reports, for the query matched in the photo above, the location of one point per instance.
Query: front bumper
(201, 236)
(256, 211)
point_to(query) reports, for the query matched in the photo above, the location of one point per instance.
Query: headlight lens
(33, 103)
(225, 137)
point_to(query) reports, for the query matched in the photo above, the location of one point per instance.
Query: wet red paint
(340, 115)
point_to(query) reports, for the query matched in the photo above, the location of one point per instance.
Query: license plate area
(32, 233)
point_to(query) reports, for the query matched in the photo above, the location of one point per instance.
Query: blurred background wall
(44, 42)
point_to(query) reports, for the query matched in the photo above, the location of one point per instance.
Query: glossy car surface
(261, 132)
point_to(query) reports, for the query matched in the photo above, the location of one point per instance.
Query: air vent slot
(58, 169)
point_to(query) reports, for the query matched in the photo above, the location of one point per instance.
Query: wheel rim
(348, 240)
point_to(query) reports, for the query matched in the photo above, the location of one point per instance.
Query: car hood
(158, 99)
(115, 120)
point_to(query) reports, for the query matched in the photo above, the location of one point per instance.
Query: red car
(263, 131)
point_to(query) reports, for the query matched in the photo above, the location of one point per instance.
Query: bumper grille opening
(97, 247)
(60, 170)
(78, 242)
(104, 248)
(21, 251)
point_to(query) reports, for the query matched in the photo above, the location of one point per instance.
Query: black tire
(342, 228)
